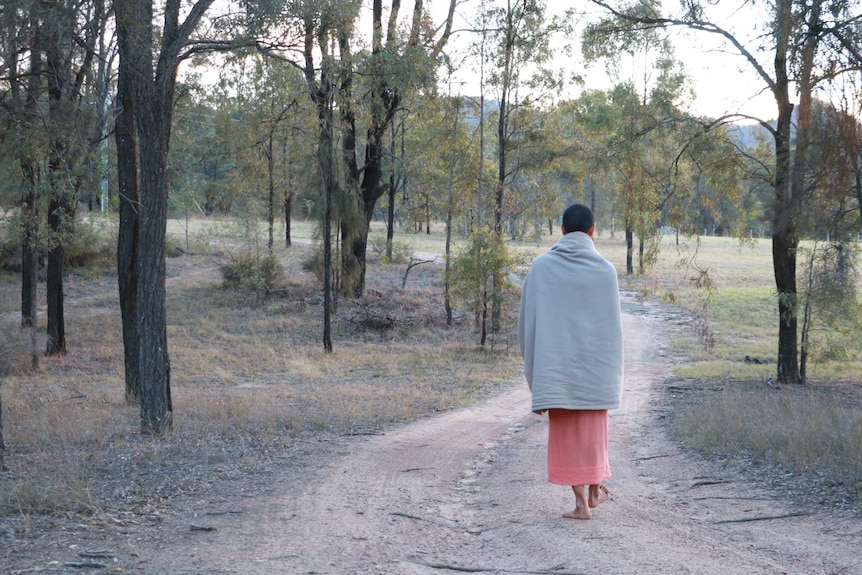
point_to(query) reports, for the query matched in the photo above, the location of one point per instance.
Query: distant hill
(749, 135)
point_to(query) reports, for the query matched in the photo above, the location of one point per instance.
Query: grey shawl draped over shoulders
(570, 328)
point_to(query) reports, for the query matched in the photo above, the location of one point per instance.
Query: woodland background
(233, 123)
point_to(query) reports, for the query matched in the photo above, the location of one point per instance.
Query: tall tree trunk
(270, 171)
(2, 443)
(784, 234)
(287, 198)
(288, 211)
(129, 233)
(151, 89)
(390, 215)
(59, 25)
(33, 175)
(153, 130)
(326, 158)
(29, 251)
(57, 213)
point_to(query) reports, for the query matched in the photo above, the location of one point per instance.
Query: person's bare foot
(579, 513)
(599, 495)
(582, 506)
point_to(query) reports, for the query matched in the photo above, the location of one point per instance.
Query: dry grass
(805, 441)
(249, 380)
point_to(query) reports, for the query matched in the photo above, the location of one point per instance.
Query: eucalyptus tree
(52, 130)
(260, 136)
(149, 56)
(806, 45)
(830, 309)
(524, 40)
(590, 122)
(649, 102)
(369, 86)
(23, 56)
(397, 63)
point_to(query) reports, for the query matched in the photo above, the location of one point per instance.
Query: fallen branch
(705, 483)
(736, 497)
(412, 264)
(431, 521)
(469, 569)
(653, 457)
(96, 555)
(762, 518)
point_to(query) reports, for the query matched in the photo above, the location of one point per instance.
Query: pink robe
(578, 447)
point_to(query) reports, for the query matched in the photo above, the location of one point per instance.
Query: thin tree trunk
(390, 216)
(29, 252)
(326, 152)
(270, 169)
(30, 200)
(641, 264)
(2, 443)
(288, 211)
(59, 24)
(630, 270)
(128, 234)
(57, 212)
(784, 235)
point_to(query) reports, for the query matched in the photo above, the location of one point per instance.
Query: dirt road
(466, 492)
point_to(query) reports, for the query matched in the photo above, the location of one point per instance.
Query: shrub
(401, 251)
(252, 272)
(14, 350)
(93, 244)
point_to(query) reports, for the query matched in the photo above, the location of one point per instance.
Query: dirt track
(466, 492)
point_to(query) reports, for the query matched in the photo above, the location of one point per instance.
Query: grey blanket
(570, 328)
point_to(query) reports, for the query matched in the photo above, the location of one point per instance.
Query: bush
(252, 272)
(313, 263)
(401, 251)
(14, 351)
(93, 245)
(10, 247)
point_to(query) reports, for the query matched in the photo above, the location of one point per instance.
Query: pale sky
(724, 82)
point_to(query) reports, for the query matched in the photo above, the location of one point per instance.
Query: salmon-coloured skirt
(578, 447)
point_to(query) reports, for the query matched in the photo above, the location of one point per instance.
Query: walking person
(570, 333)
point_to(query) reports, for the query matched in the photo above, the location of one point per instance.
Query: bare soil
(463, 491)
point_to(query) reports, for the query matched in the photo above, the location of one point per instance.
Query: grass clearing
(250, 379)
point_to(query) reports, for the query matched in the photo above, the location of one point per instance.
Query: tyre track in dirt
(466, 492)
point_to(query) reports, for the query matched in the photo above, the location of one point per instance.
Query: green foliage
(93, 246)
(401, 250)
(252, 272)
(313, 263)
(829, 301)
(484, 260)
(89, 244)
(10, 245)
